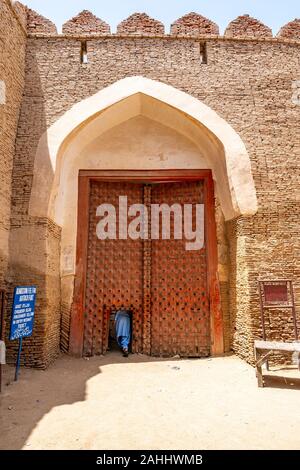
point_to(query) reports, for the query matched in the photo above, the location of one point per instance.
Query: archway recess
(135, 124)
(222, 146)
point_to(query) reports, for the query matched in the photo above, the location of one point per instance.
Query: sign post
(18, 359)
(2, 344)
(22, 319)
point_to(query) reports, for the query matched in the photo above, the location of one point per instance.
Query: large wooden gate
(172, 292)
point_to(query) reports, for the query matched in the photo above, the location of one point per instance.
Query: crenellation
(291, 30)
(38, 24)
(87, 24)
(140, 24)
(245, 26)
(194, 25)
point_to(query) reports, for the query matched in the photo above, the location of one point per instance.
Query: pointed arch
(237, 165)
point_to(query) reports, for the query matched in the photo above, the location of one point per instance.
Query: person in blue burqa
(123, 329)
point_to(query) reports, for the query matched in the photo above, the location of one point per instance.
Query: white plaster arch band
(238, 165)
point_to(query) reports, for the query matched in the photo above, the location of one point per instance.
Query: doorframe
(143, 176)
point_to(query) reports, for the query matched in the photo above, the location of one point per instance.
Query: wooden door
(179, 294)
(164, 284)
(114, 271)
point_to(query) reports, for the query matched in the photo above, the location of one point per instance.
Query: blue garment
(122, 320)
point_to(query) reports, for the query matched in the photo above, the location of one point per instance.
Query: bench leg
(259, 375)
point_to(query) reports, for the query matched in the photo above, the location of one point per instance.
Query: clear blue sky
(274, 13)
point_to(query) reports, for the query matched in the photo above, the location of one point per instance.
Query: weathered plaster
(214, 133)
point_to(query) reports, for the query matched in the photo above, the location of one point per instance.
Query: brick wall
(139, 24)
(38, 24)
(290, 30)
(85, 23)
(247, 82)
(193, 24)
(244, 26)
(34, 260)
(12, 73)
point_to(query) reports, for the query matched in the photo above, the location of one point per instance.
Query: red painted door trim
(78, 306)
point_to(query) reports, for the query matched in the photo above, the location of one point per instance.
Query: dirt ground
(146, 403)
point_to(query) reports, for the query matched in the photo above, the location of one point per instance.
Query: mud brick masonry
(243, 83)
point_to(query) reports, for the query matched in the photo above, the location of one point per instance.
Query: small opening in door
(112, 336)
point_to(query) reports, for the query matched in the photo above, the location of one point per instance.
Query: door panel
(180, 306)
(163, 284)
(114, 271)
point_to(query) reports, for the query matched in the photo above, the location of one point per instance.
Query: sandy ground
(146, 403)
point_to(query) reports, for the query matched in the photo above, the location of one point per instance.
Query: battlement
(192, 25)
(245, 26)
(38, 24)
(290, 30)
(31, 21)
(85, 23)
(141, 24)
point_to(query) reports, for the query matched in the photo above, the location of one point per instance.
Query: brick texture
(141, 24)
(291, 30)
(12, 75)
(85, 23)
(21, 11)
(193, 24)
(38, 24)
(246, 27)
(43, 347)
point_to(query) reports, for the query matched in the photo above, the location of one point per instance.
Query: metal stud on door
(163, 284)
(114, 271)
(179, 294)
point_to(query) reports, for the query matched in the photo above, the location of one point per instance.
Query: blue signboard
(23, 312)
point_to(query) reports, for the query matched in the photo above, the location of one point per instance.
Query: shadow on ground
(25, 403)
(288, 383)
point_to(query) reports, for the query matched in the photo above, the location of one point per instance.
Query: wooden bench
(264, 349)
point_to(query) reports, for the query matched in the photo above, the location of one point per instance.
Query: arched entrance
(137, 124)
